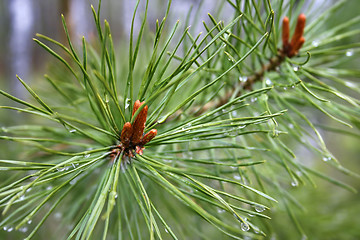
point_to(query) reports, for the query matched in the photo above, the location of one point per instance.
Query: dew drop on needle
(245, 227)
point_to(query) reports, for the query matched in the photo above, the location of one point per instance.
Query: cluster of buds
(132, 139)
(290, 49)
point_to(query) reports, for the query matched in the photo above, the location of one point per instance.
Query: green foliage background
(327, 211)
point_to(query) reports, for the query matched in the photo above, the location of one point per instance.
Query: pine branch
(209, 134)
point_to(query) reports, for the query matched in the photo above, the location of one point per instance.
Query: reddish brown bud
(285, 32)
(299, 30)
(132, 140)
(126, 134)
(148, 137)
(139, 125)
(297, 47)
(137, 104)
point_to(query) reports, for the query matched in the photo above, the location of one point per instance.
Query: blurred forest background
(332, 212)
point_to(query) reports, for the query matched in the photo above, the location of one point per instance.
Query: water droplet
(239, 129)
(196, 138)
(116, 196)
(72, 182)
(224, 110)
(350, 84)
(23, 229)
(87, 156)
(167, 161)
(285, 88)
(242, 79)
(349, 53)
(127, 103)
(22, 197)
(220, 210)
(291, 125)
(295, 183)
(63, 169)
(275, 133)
(237, 177)
(245, 227)
(304, 237)
(162, 119)
(234, 113)
(29, 222)
(49, 187)
(296, 68)
(268, 82)
(326, 158)
(10, 229)
(167, 231)
(253, 99)
(58, 215)
(293, 86)
(315, 43)
(73, 165)
(28, 190)
(259, 208)
(5, 228)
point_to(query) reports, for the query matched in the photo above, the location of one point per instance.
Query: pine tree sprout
(288, 50)
(292, 48)
(132, 138)
(228, 129)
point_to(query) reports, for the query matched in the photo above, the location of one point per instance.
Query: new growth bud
(132, 139)
(297, 40)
